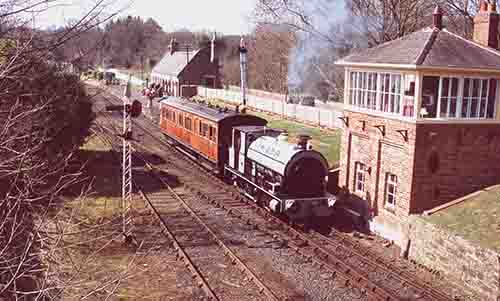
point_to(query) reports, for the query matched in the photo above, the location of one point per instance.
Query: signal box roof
(428, 48)
(203, 110)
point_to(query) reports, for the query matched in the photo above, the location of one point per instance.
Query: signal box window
(360, 177)
(391, 184)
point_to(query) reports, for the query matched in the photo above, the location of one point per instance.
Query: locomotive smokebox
(303, 141)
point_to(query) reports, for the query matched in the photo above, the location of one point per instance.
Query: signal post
(130, 110)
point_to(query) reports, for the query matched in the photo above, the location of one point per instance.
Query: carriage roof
(211, 113)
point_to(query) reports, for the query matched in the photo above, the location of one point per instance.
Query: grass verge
(476, 219)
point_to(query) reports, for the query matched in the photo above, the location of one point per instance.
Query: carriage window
(204, 129)
(180, 120)
(212, 133)
(173, 116)
(187, 123)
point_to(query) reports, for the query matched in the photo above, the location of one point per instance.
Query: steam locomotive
(287, 178)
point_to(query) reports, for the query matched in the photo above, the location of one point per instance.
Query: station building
(182, 69)
(421, 121)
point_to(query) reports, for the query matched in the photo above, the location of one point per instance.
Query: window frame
(212, 133)
(359, 91)
(389, 182)
(461, 97)
(448, 96)
(204, 129)
(180, 119)
(188, 124)
(359, 169)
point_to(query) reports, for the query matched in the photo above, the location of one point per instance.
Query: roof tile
(429, 47)
(173, 64)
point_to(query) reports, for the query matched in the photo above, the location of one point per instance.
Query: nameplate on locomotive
(267, 149)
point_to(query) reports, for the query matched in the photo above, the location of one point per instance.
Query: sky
(226, 16)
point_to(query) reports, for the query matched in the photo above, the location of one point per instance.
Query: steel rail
(423, 287)
(227, 251)
(384, 294)
(177, 247)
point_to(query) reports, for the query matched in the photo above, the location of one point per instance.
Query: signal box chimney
(486, 25)
(438, 17)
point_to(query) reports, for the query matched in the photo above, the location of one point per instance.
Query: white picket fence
(325, 115)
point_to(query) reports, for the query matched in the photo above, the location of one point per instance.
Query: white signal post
(126, 160)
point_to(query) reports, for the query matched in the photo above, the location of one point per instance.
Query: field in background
(327, 142)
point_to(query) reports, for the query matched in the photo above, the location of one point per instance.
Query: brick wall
(438, 163)
(382, 154)
(475, 269)
(467, 157)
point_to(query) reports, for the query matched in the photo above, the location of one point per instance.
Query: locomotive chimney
(243, 66)
(486, 25)
(283, 137)
(303, 141)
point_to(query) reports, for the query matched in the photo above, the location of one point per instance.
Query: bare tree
(323, 35)
(460, 15)
(270, 48)
(386, 20)
(45, 115)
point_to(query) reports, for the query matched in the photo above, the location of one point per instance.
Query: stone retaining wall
(476, 269)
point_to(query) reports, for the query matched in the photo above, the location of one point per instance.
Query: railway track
(340, 255)
(179, 222)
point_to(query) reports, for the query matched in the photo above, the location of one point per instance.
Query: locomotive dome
(300, 167)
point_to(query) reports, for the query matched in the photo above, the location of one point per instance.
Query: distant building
(421, 121)
(182, 69)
